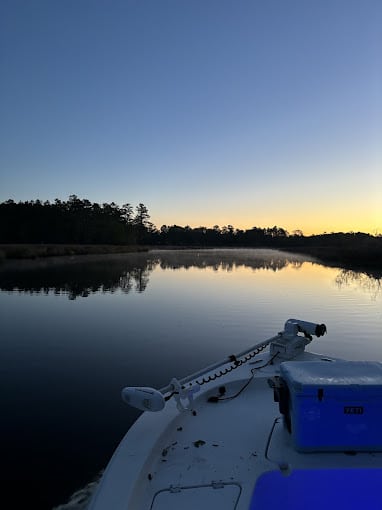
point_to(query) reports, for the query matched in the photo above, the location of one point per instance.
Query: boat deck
(199, 450)
(212, 457)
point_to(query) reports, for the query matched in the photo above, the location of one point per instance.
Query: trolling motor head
(295, 326)
(149, 399)
(289, 343)
(145, 399)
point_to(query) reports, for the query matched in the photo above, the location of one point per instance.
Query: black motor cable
(237, 363)
(231, 397)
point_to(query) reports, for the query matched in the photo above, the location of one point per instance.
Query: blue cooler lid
(301, 376)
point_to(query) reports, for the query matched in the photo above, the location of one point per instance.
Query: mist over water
(74, 331)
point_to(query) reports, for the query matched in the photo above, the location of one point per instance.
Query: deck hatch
(223, 496)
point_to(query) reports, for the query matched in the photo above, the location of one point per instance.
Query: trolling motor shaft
(285, 345)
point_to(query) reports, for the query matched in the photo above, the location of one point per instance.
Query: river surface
(74, 331)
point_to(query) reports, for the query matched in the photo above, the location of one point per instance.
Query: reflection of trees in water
(79, 277)
(83, 276)
(136, 279)
(227, 260)
(371, 283)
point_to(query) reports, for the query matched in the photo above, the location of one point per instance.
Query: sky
(210, 112)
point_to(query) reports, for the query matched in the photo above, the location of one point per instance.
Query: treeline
(351, 249)
(78, 221)
(220, 236)
(74, 221)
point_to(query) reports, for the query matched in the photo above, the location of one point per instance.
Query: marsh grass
(34, 251)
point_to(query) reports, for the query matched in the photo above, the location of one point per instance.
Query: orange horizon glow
(360, 212)
(371, 228)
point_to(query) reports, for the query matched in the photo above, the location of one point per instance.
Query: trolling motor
(286, 345)
(145, 399)
(290, 343)
(149, 399)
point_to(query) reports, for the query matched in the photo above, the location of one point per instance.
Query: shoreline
(356, 258)
(29, 251)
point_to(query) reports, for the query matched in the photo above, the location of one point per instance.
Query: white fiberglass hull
(212, 456)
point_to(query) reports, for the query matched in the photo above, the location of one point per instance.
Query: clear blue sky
(207, 111)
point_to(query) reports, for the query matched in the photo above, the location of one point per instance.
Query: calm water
(73, 334)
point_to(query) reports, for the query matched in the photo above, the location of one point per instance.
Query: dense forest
(74, 221)
(78, 221)
(82, 222)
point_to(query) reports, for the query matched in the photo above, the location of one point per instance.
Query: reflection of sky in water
(246, 305)
(64, 361)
